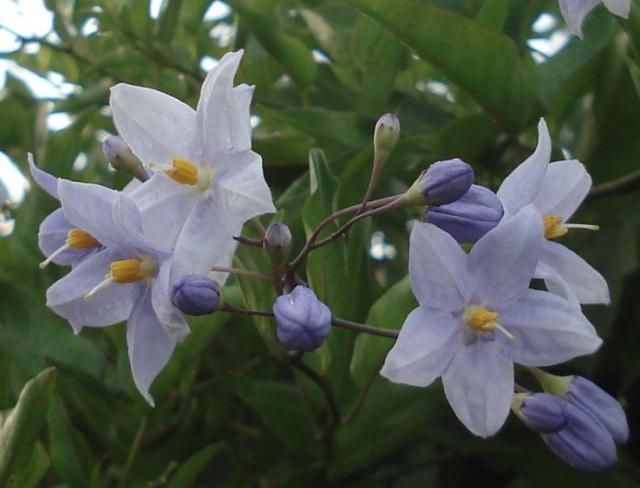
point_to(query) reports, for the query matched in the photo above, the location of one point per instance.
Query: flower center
(76, 239)
(183, 171)
(480, 319)
(554, 226)
(126, 271)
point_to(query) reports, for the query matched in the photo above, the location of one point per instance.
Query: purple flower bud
(195, 294)
(599, 404)
(122, 158)
(583, 442)
(542, 412)
(446, 181)
(469, 218)
(303, 321)
(277, 243)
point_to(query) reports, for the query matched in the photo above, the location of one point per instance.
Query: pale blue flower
(477, 316)
(575, 11)
(556, 190)
(127, 280)
(207, 181)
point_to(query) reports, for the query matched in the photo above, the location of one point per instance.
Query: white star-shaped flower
(575, 11)
(207, 182)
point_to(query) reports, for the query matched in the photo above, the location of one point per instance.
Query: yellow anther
(132, 270)
(554, 227)
(79, 239)
(183, 171)
(481, 319)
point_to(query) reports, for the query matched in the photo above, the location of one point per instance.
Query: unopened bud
(277, 243)
(195, 294)
(386, 134)
(122, 158)
(441, 183)
(303, 321)
(541, 412)
(470, 217)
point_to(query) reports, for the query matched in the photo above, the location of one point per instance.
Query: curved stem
(243, 311)
(368, 329)
(624, 184)
(248, 241)
(245, 272)
(293, 265)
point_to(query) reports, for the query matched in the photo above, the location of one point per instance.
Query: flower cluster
(131, 250)
(162, 247)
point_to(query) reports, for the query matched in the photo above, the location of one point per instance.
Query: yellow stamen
(76, 239)
(79, 239)
(183, 171)
(481, 319)
(554, 227)
(126, 271)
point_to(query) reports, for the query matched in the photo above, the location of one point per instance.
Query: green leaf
(166, 27)
(466, 137)
(389, 312)
(290, 52)
(21, 428)
(64, 456)
(30, 474)
(482, 62)
(188, 473)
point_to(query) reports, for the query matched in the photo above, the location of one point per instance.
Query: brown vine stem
(245, 272)
(347, 324)
(625, 184)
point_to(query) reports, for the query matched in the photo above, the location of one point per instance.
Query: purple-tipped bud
(122, 158)
(195, 294)
(303, 321)
(441, 183)
(583, 442)
(542, 412)
(469, 218)
(277, 243)
(599, 404)
(386, 134)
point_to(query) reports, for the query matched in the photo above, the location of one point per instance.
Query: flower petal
(548, 330)
(555, 283)
(223, 125)
(621, 8)
(169, 316)
(44, 180)
(246, 194)
(109, 306)
(149, 345)
(520, 187)
(574, 12)
(206, 240)
(164, 206)
(479, 386)
(563, 189)
(52, 236)
(156, 126)
(584, 281)
(503, 261)
(437, 268)
(424, 348)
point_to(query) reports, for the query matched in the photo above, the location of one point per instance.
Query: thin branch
(368, 329)
(243, 311)
(248, 241)
(244, 272)
(625, 184)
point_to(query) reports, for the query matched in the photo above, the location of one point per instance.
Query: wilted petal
(565, 186)
(621, 8)
(503, 261)
(437, 268)
(427, 342)
(149, 345)
(479, 386)
(221, 116)
(585, 282)
(548, 330)
(520, 187)
(206, 239)
(169, 316)
(110, 305)
(246, 194)
(44, 180)
(156, 126)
